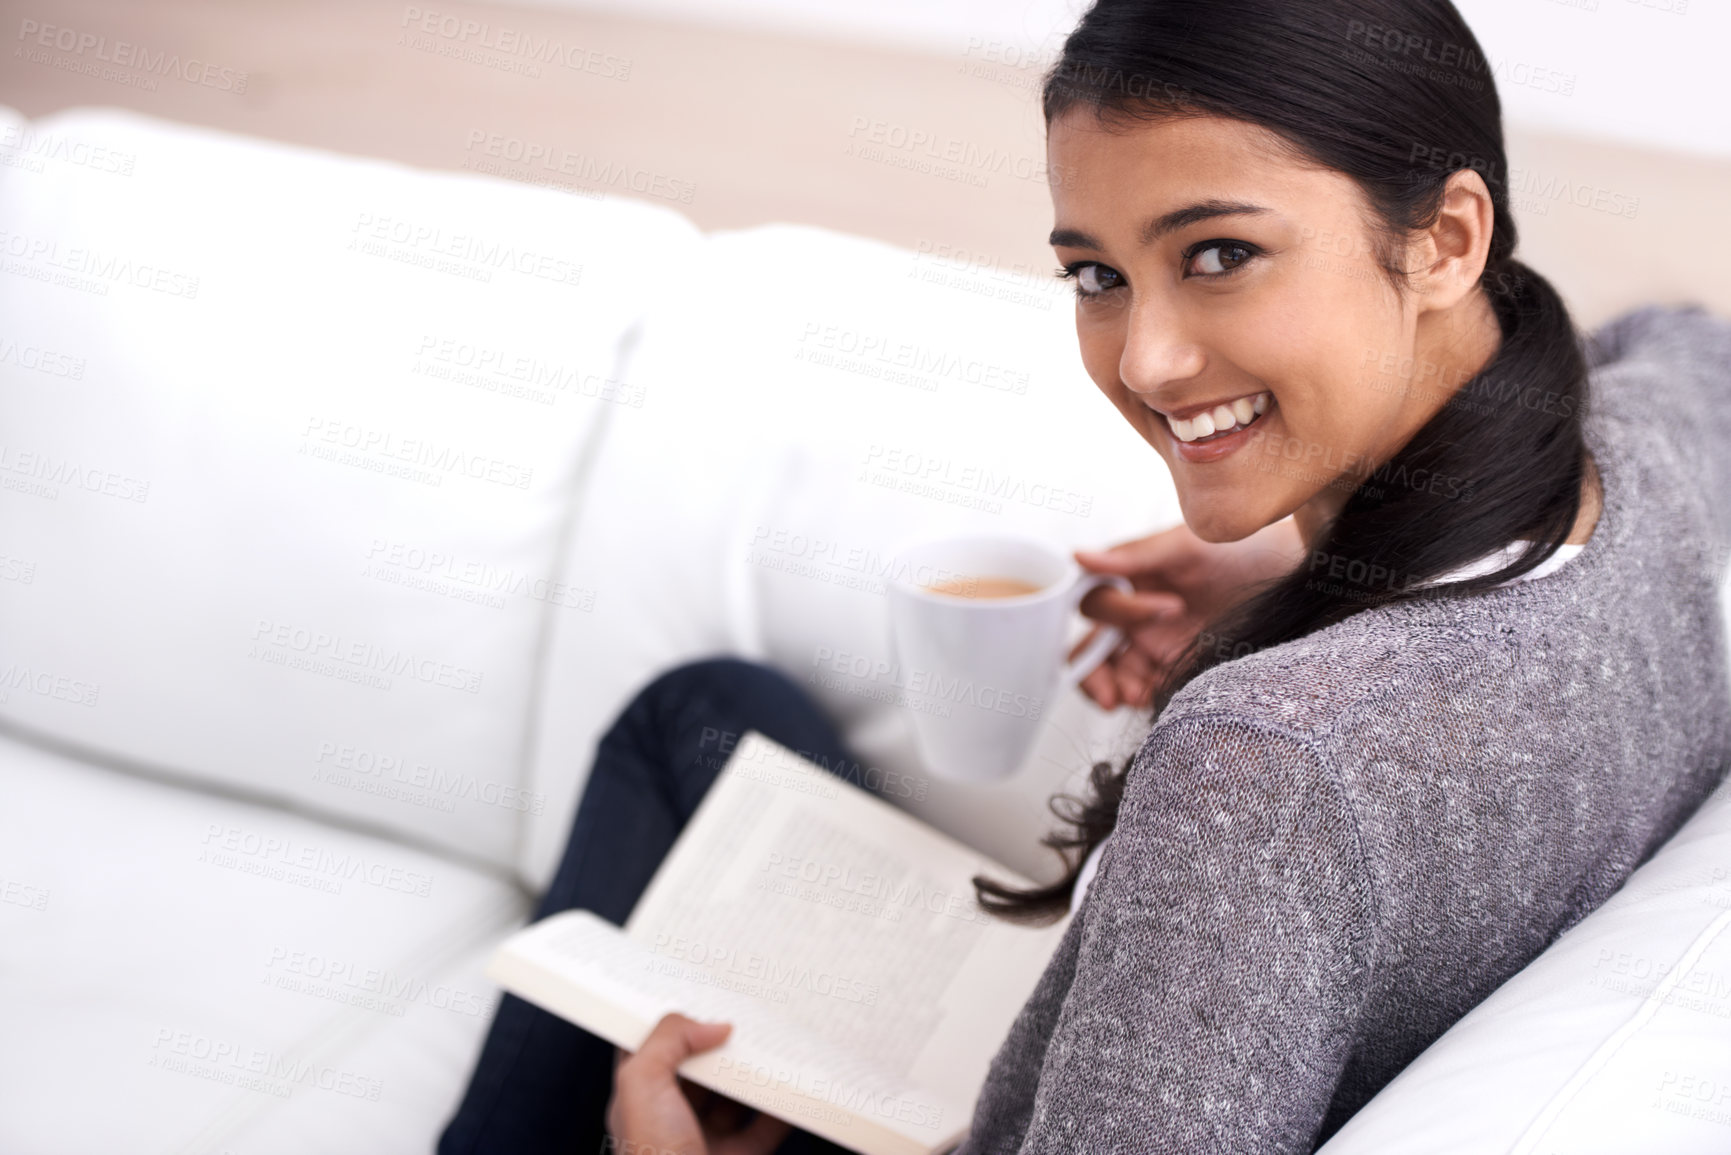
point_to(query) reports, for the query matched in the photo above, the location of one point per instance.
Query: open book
(867, 990)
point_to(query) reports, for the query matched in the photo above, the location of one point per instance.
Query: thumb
(1127, 559)
(674, 1040)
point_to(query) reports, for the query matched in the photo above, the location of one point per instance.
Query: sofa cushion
(813, 398)
(287, 441)
(206, 974)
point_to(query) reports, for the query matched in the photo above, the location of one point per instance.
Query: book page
(803, 893)
(590, 972)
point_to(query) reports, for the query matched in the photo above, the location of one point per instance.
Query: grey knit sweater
(1330, 850)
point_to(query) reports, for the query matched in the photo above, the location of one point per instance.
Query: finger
(763, 1136)
(1135, 678)
(723, 1116)
(1113, 606)
(674, 1040)
(700, 1097)
(1100, 685)
(1135, 663)
(1087, 640)
(1132, 557)
(1164, 643)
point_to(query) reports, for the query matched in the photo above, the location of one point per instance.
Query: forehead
(1116, 169)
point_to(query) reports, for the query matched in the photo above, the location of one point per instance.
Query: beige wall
(736, 128)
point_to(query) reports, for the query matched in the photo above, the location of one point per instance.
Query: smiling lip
(1215, 446)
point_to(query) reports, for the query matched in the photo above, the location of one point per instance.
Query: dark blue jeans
(541, 1084)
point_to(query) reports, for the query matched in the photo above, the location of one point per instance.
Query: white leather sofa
(343, 505)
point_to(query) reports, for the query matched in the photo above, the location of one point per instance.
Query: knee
(723, 679)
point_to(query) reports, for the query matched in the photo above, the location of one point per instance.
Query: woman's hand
(655, 1112)
(1181, 583)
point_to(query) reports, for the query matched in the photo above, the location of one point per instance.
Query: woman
(1462, 668)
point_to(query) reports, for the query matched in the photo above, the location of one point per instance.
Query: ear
(1448, 258)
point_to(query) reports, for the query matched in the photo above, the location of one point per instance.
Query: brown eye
(1218, 257)
(1092, 280)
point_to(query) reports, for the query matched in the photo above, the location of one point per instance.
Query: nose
(1157, 351)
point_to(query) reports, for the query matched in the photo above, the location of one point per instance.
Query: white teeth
(1221, 418)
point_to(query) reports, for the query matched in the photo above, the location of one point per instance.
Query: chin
(1219, 522)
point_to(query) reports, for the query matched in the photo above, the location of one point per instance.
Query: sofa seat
(206, 975)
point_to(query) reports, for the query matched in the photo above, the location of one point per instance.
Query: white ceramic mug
(979, 674)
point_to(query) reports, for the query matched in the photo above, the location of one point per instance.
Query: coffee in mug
(978, 658)
(986, 587)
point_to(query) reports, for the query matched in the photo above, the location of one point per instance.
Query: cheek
(1102, 347)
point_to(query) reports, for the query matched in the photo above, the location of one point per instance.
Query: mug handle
(1104, 642)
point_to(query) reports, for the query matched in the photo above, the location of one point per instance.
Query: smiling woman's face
(1231, 306)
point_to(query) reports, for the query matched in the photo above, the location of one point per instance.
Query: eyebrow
(1161, 225)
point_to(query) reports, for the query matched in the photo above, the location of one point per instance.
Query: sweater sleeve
(1664, 373)
(1221, 955)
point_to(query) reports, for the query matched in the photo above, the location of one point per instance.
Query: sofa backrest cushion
(287, 442)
